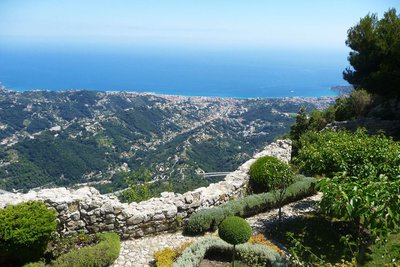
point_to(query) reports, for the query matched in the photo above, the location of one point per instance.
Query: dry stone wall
(86, 210)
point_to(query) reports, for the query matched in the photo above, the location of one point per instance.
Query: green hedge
(100, 255)
(25, 230)
(209, 219)
(248, 253)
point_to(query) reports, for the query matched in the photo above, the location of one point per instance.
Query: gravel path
(140, 252)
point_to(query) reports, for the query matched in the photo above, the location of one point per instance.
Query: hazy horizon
(207, 24)
(224, 48)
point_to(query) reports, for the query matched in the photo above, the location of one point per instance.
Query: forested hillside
(69, 137)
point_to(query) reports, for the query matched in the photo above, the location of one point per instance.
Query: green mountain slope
(70, 137)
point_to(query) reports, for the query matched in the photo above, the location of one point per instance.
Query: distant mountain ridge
(70, 137)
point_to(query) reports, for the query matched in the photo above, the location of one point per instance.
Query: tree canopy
(375, 55)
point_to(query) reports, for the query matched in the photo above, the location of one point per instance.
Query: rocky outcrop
(86, 210)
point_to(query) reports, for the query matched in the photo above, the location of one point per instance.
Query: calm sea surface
(206, 73)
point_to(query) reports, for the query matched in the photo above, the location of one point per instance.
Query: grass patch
(387, 254)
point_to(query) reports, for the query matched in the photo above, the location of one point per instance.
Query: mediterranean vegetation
(251, 254)
(25, 229)
(374, 57)
(209, 219)
(28, 237)
(356, 172)
(235, 231)
(269, 173)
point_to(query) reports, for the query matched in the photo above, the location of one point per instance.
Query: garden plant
(234, 230)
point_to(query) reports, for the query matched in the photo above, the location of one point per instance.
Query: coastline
(333, 94)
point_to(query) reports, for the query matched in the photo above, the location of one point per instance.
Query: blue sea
(192, 72)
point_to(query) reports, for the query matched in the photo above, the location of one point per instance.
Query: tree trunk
(362, 243)
(279, 216)
(361, 252)
(233, 256)
(280, 204)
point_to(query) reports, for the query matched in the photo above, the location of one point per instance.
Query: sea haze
(191, 72)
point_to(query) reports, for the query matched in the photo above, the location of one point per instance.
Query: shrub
(35, 264)
(300, 126)
(265, 170)
(25, 230)
(343, 109)
(357, 154)
(319, 119)
(346, 107)
(234, 230)
(192, 255)
(165, 257)
(209, 219)
(60, 245)
(102, 254)
(199, 222)
(365, 186)
(374, 206)
(260, 255)
(360, 101)
(261, 240)
(179, 250)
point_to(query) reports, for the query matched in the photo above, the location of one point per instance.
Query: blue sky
(306, 24)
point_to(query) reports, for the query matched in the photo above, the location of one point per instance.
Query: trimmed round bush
(234, 230)
(25, 230)
(265, 171)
